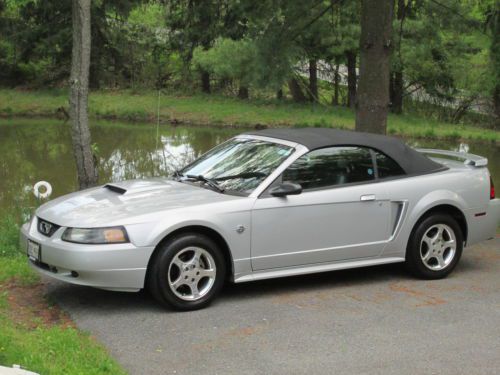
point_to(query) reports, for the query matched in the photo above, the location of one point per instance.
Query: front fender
(164, 229)
(224, 223)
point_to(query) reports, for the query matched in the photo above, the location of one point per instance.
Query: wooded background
(444, 55)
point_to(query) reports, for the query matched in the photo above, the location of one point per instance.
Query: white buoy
(38, 193)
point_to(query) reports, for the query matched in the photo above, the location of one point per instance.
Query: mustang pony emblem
(45, 227)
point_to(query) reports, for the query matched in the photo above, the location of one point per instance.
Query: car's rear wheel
(435, 247)
(187, 272)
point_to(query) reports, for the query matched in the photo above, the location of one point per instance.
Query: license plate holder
(34, 251)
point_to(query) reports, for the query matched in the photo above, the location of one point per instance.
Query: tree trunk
(205, 82)
(375, 49)
(313, 80)
(396, 83)
(351, 79)
(297, 94)
(396, 91)
(279, 94)
(496, 105)
(495, 61)
(224, 83)
(94, 77)
(78, 100)
(336, 84)
(462, 109)
(243, 92)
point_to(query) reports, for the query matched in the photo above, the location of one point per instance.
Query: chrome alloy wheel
(191, 273)
(438, 247)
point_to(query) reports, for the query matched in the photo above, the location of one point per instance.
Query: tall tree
(396, 79)
(494, 24)
(78, 100)
(351, 78)
(375, 48)
(42, 40)
(313, 80)
(240, 53)
(344, 43)
(198, 23)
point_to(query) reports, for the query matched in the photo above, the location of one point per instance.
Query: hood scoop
(115, 188)
(138, 186)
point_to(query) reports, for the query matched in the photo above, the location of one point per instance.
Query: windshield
(238, 165)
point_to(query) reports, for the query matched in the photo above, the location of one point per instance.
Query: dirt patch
(227, 337)
(244, 331)
(29, 307)
(423, 297)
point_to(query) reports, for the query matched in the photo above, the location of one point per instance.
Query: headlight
(96, 235)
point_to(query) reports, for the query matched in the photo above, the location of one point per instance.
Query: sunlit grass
(225, 111)
(51, 350)
(25, 339)
(17, 267)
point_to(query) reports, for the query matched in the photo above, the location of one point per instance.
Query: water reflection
(34, 150)
(462, 147)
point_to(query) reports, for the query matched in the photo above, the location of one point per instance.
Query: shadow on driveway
(102, 300)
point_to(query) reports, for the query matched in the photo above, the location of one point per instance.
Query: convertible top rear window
(387, 167)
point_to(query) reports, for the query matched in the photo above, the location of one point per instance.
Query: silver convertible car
(267, 204)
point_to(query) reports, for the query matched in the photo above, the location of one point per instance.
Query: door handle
(367, 198)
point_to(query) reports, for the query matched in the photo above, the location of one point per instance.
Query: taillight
(492, 189)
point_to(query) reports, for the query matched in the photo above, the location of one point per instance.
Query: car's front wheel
(435, 247)
(187, 272)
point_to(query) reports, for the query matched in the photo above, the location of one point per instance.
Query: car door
(341, 213)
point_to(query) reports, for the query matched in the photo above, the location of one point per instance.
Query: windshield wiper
(241, 175)
(178, 174)
(208, 181)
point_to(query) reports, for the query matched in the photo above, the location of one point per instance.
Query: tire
(435, 247)
(187, 272)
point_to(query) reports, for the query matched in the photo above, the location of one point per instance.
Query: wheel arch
(199, 229)
(447, 209)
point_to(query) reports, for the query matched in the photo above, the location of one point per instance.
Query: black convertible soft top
(410, 160)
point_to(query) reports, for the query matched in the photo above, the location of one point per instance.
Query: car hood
(116, 202)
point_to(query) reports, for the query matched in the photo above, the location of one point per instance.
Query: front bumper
(120, 267)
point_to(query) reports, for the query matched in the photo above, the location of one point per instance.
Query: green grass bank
(217, 110)
(34, 332)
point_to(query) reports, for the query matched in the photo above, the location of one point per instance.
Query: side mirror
(286, 188)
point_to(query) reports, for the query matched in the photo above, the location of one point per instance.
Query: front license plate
(34, 250)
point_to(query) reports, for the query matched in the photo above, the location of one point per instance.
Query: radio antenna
(179, 164)
(158, 120)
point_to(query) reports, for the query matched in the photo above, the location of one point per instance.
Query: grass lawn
(224, 111)
(35, 333)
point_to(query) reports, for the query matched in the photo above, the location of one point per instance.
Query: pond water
(34, 150)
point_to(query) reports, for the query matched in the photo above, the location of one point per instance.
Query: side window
(331, 166)
(387, 167)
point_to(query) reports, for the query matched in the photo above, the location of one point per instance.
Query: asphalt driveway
(375, 320)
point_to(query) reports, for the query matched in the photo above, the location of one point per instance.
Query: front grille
(46, 228)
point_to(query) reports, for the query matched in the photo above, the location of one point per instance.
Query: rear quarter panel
(464, 187)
